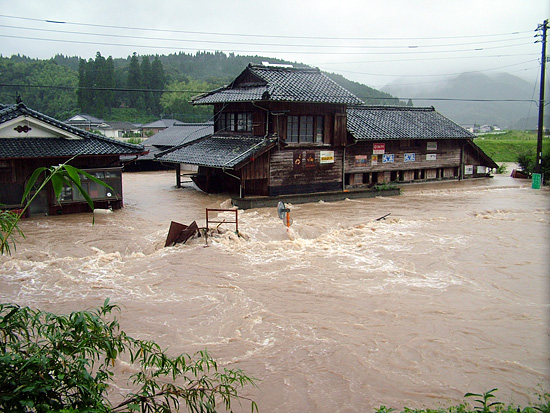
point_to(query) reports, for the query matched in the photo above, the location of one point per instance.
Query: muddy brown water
(341, 313)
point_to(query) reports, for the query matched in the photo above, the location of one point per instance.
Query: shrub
(52, 362)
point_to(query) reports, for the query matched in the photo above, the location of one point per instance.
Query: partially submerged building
(178, 134)
(282, 130)
(30, 139)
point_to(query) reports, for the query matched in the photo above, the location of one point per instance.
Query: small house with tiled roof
(84, 121)
(30, 139)
(119, 130)
(283, 130)
(178, 134)
(152, 128)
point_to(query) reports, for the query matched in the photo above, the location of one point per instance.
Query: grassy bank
(506, 147)
(482, 403)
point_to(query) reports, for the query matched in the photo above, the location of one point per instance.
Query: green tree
(133, 83)
(101, 101)
(158, 81)
(177, 101)
(146, 81)
(109, 82)
(42, 84)
(83, 85)
(52, 362)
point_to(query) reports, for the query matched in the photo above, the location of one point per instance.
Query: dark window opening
(305, 129)
(235, 122)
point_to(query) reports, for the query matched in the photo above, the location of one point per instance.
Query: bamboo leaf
(31, 182)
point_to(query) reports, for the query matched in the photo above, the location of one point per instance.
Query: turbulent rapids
(342, 312)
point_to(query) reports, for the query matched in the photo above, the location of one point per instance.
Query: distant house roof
(401, 122)
(65, 140)
(118, 126)
(284, 84)
(161, 123)
(218, 151)
(180, 133)
(84, 119)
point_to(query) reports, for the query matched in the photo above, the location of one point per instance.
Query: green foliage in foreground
(52, 362)
(484, 404)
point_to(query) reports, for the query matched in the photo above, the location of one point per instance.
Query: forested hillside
(136, 89)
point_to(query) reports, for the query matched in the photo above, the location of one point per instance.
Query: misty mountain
(497, 95)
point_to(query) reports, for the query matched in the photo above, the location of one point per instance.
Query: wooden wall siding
(471, 157)
(447, 155)
(335, 117)
(319, 177)
(256, 169)
(431, 173)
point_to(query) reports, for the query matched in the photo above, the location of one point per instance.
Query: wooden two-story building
(284, 130)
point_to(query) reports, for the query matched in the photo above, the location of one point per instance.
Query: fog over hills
(502, 90)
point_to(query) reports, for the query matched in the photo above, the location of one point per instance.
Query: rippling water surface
(448, 294)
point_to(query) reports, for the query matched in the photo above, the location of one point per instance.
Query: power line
(262, 35)
(423, 59)
(197, 92)
(436, 75)
(407, 46)
(409, 50)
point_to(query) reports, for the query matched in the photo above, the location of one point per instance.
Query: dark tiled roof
(118, 125)
(86, 119)
(218, 151)
(285, 84)
(180, 133)
(35, 147)
(161, 123)
(388, 122)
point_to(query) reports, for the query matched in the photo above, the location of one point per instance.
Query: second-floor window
(235, 122)
(305, 129)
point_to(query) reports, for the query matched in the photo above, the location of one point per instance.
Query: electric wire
(340, 46)
(198, 92)
(256, 35)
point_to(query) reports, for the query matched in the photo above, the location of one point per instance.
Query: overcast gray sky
(370, 41)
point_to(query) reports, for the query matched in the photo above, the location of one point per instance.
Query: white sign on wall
(410, 157)
(387, 158)
(432, 146)
(431, 157)
(327, 157)
(378, 148)
(468, 169)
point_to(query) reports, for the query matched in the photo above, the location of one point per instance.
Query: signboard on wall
(481, 169)
(361, 160)
(326, 157)
(310, 159)
(468, 169)
(432, 146)
(374, 159)
(388, 158)
(378, 148)
(431, 157)
(409, 157)
(297, 160)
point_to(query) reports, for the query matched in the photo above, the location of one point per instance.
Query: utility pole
(543, 27)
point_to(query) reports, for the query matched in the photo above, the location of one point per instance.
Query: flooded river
(342, 313)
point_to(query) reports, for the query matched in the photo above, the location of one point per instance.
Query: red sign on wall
(310, 159)
(297, 160)
(378, 148)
